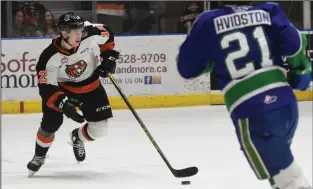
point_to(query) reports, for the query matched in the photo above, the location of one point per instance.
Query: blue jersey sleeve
(289, 39)
(195, 54)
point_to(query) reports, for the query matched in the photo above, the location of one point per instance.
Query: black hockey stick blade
(187, 172)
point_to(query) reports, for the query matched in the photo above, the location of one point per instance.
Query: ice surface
(125, 159)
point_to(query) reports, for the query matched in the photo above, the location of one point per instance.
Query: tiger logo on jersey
(76, 70)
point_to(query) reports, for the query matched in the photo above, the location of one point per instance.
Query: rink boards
(146, 72)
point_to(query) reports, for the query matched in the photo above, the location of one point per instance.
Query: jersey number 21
(244, 49)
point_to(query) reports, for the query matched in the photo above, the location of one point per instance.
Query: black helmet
(70, 21)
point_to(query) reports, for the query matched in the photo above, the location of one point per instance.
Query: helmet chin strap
(66, 40)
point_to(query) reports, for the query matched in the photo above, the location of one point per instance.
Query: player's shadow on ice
(77, 175)
(89, 175)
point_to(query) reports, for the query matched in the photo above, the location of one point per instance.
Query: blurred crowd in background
(38, 18)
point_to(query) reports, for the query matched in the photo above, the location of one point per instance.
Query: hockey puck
(186, 182)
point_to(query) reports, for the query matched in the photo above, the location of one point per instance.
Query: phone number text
(143, 58)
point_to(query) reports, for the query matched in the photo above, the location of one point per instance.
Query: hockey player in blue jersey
(245, 46)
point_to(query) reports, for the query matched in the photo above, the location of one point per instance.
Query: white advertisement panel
(147, 66)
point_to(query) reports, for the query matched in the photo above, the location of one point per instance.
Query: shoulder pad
(46, 55)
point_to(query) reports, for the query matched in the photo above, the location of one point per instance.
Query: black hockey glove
(68, 106)
(108, 64)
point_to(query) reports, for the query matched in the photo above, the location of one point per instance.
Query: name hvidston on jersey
(240, 20)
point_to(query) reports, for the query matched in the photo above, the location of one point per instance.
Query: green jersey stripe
(265, 79)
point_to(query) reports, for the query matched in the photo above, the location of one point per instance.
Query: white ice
(125, 159)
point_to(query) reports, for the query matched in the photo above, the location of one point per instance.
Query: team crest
(64, 60)
(76, 70)
(270, 99)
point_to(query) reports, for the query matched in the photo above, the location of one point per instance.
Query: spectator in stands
(190, 14)
(48, 27)
(18, 25)
(33, 13)
(140, 20)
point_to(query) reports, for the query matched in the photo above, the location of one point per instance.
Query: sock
(43, 142)
(84, 134)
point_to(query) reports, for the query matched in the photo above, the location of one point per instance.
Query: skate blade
(31, 173)
(71, 139)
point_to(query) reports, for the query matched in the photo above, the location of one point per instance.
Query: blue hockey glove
(300, 81)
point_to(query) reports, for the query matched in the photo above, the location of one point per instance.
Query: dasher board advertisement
(147, 66)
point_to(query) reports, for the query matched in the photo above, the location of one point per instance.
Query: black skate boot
(78, 146)
(35, 164)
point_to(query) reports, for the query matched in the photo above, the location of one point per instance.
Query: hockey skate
(35, 164)
(78, 146)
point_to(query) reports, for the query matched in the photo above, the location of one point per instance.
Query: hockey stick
(187, 172)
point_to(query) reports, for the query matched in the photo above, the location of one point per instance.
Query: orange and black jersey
(60, 70)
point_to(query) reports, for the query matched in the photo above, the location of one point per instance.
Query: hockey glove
(108, 64)
(68, 106)
(300, 68)
(300, 81)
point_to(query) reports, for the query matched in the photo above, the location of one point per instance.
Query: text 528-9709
(142, 58)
